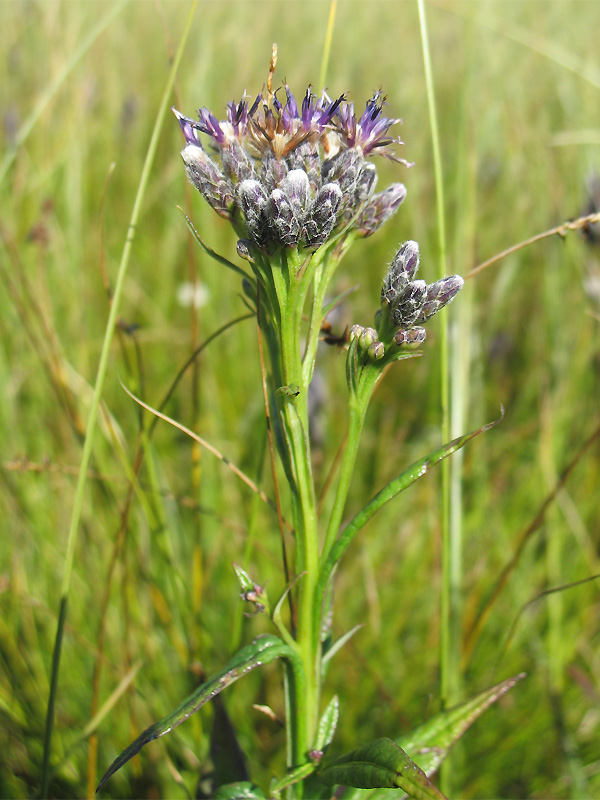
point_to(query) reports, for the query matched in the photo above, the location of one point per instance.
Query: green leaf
(405, 479)
(262, 651)
(220, 259)
(328, 724)
(245, 580)
(381, 764)
(339, 643)
(295, 775)
(430, 743)
(244, 790)
(252, 592)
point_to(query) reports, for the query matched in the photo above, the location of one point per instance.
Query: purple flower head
(294, 173)
(237, 117)
(317, 114)
(188, 126)
(370, 132)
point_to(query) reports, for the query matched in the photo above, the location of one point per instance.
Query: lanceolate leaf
(380, 764)
(262, 651)
(430, 743)
(417, 470)
(328, 724)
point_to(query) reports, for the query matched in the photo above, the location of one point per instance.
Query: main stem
(294, 413)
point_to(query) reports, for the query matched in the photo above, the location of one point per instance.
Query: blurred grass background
(517, 87)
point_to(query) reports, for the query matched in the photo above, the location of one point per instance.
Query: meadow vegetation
(154, 602)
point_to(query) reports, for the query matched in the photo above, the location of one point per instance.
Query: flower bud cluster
(409, 303)
(293, 176)
(368, 342)
(406, 304)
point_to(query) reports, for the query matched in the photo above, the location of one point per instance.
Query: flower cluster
(291, 176)
(406, 304)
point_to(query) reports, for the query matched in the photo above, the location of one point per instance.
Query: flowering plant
(297, 184)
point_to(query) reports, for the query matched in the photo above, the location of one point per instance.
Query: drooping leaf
(262, 651)
(380, 764)
(244, 790)
(430, 743)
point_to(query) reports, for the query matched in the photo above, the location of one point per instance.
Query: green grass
(511, 80)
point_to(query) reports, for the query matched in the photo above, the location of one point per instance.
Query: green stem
(291, 287)
(359, 402)
(93, 416)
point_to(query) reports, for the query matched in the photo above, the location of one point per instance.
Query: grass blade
(93, 415)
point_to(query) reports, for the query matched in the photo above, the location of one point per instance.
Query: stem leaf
(261, 651)
(328, 724)
(381, 764)
(405, 479)
(431, 741)
(209, 252)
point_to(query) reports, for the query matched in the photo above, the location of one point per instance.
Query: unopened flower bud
(322, 218)
(410, 336)
(273, 171)
(355, 332)
(208, 179)
(344, 168)
(408, 304)
(402, 269)
(380, 208)
(368, 337)
(237, 165)
(296, 187)
(365, 184)
(439, 294)
(283, 221)
(253, 202)
(376, 351)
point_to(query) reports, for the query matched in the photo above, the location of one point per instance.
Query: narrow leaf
(430, 743)
(417, 470)
(381, 764)
(339, 643)
(328, 724)
(262, 651)
(220, 259)
(296, 775)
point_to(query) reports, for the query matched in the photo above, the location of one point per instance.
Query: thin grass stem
(98, 389)
(327, 44)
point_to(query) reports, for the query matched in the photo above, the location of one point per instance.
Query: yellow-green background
(518, 90)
